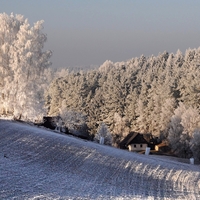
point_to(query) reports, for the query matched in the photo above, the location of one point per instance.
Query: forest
(156, 94)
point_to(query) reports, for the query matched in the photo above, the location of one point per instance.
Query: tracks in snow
(45, 165)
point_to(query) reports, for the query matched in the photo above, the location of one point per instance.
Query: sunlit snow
(40, 164)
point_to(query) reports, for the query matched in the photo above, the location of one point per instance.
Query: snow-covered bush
(103, 132)
(74, 121)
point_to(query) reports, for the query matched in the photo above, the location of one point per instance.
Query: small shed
(162, 147)
(50, 122)
(134, 142)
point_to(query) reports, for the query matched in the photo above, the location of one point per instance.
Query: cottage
(134, 142)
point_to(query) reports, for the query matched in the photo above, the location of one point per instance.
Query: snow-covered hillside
(40, 164)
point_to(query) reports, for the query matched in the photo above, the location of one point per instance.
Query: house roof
(132, 138)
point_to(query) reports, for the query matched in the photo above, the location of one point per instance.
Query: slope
(40, 164)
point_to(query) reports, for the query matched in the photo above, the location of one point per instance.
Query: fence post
(147, 151)
(192, 161)
(101, 141)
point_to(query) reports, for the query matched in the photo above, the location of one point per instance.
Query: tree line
(156, 94)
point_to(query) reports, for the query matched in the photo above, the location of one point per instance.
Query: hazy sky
(88, 32)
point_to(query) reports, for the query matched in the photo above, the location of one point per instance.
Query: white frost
(40, 164)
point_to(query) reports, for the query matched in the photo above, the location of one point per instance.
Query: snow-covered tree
(190, 120)
(121, 125)
(174, 136)
(74, 121)
(106, 66)
(9, 26)
(183, 129)
(103, 132)
(130, 108)
(25, 62)
(144, 92)
(142, 111)
(167, 111)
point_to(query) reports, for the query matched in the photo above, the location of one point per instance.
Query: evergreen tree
(141, 94)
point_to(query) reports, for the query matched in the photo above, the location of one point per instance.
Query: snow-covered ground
(40, 164)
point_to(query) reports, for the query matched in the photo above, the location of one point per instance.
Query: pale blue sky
(88, 32)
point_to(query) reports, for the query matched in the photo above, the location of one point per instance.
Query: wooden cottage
(134, 142)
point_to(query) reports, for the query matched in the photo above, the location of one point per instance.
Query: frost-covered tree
(121, 128)
(130, 108)
(74, 121)
(190, 120)
(121, 125)
(166, 113)
(29, 63)
(24, 80)
(106, 66)
(104, 133)
(175, 133)
(183, 129)
(9, 26)
(141, 110)
(53, 97)
(143, 91)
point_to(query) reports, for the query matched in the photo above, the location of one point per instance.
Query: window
(141, 145)
(134, 145)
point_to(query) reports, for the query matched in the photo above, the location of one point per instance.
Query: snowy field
(40, 164)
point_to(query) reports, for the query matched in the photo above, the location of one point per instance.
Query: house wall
(156, 147)
(162, 147)
(137, 147)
